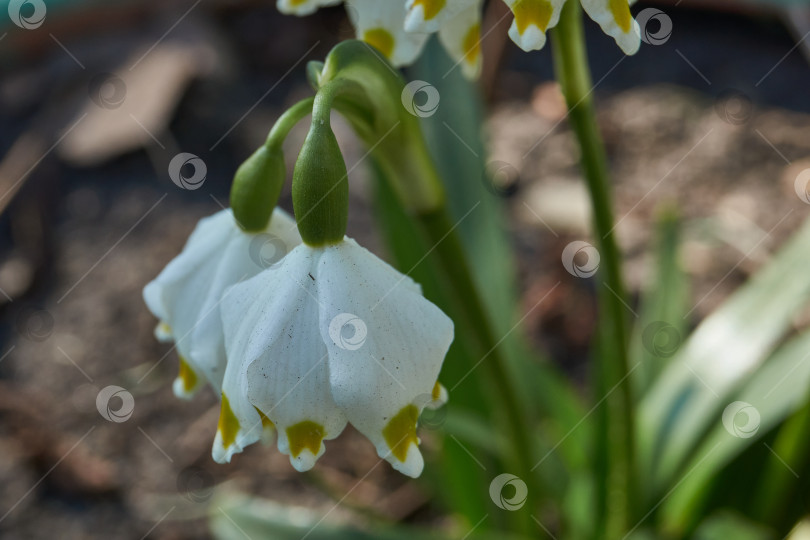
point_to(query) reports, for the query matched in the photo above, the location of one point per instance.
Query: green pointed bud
(256, 188)
(320, 186)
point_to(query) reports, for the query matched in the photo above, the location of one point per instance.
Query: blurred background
(101, 101)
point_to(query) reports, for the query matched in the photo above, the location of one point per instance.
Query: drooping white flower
(330, 335)
(186, 295)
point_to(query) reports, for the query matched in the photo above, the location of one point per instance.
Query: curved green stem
(573, 74)
(258, 181)
(287, 121)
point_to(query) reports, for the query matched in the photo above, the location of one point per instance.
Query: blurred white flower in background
(399, 29)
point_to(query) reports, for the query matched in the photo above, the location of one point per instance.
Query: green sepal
(256, 188)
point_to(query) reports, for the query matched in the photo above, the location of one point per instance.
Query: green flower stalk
(617, 494)
(258, 181)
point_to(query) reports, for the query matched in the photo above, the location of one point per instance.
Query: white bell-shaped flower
(187, 294)
(330, 335)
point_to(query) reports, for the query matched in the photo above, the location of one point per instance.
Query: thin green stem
(573, 73)
(287, 121)
(259, 179)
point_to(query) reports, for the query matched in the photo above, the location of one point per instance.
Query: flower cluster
(400, 28)
(301, 340)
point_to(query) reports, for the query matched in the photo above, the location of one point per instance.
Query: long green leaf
(724, 350)
(661, 327)
(773, 392)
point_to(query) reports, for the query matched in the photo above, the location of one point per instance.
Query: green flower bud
(256, 188)
(258, 181)
(320, 185)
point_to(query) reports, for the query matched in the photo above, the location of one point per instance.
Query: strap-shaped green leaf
(730, 346)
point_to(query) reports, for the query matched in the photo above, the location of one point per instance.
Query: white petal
(241, 259)
(163, 333)
(187, 293)
(461, 37)
(382, 24)
(239, 422)
(438, 397)
(430, 15)
(386, 345)
(303, 7)
(271, 325)
(188, 381)
(616, 21)
(173, 296)
(209, 234)
(532, 19)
